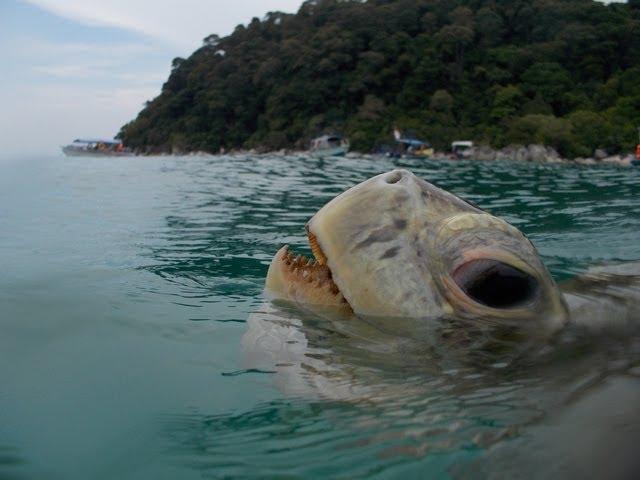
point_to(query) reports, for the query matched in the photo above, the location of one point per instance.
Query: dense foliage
(561, 72)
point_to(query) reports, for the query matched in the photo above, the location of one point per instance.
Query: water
(127, 284)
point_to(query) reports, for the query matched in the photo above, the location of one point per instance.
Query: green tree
(544, 129)
(590, 130)
(441, 101)
(454, 39)
(549, 80)
(506, 102)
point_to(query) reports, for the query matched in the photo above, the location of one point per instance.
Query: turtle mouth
(311, 278)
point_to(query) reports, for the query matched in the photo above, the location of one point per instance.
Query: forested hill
(561, 72)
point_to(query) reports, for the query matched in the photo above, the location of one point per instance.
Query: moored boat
(329, 146)
(462, 148)
(411, 147)
(96, 147)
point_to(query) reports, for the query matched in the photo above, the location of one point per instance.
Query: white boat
(329, 146)
(96, 147)
(462, 148)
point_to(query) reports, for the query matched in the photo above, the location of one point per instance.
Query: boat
(411, 147)
(424, 150)
(329, 146)
(462, 148)
(96, 147)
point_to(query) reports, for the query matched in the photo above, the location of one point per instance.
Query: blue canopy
(413, 142)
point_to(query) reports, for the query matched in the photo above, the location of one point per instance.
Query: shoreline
(533, 153)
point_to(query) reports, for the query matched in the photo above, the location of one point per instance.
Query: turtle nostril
(393, 177)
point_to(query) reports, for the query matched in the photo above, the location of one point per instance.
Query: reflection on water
(411, 419)
(130, 283)
(417, 403)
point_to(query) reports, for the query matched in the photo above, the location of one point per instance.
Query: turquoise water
(127, 284)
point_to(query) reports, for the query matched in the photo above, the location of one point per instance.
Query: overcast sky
(83, 68)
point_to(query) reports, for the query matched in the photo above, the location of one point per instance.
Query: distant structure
(96, 147)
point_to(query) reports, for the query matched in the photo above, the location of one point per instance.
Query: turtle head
(398, 246)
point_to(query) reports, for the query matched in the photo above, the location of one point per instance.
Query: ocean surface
(126, 286)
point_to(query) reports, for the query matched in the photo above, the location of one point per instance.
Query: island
(563, 74)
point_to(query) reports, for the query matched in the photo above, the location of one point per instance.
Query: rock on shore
(544, 154)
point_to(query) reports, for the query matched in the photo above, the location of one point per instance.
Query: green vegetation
(561, 72)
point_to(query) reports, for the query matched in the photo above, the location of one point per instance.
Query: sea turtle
(396, 246)
(418, 301)
(416, 262)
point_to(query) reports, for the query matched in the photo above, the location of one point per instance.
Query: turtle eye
(495, 284)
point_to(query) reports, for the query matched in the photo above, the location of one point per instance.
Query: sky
(83, 68)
